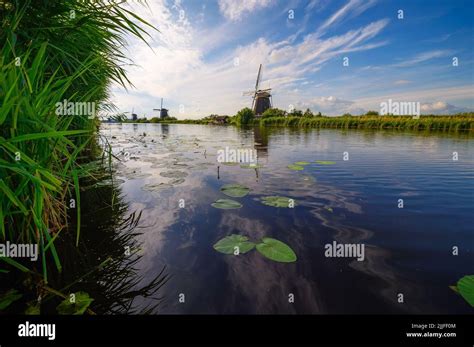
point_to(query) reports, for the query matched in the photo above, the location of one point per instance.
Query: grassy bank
(437, 123)
(276, 117)
(52, 51)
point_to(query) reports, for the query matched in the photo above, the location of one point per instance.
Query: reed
(53, 51)
(435, 123)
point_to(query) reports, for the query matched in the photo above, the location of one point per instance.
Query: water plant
(234, 243)
(226, 204)
(325, 162)
(465, 287)
(295, 167)
(235, 190)
(268, 247)
(276, 250)
(278, 201)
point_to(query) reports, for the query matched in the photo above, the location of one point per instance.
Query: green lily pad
(465, 287)
(277, 201)
(226, 204)
(235, 190)
(302, 163)
(325, 162)
(329, 209)
(276, 250)
(78, 307)
(251, 166)
(228, 244)
(295, 167)
(8, 298)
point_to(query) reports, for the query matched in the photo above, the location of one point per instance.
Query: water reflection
(105, 262)
(353, 201)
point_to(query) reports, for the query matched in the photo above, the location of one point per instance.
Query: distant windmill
(262, 98)
(163, 111)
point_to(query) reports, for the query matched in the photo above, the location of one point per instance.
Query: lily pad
(156, 187)
(465, 287)
(226, 204)
(177, 181)
(8, 298)
(325, 162)
(278, 201)
(174, 174)
(302, 163)
(228, 244)
(276, 250)
(329, 209)
(77, 307)
(235, 190)
(295, 167)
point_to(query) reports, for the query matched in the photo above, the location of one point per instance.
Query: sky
(334, 57)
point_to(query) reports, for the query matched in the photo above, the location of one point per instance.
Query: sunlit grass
(442, 123)
(52, 51)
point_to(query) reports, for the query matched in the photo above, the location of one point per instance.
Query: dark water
(407, 250)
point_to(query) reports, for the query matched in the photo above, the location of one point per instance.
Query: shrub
(244, 116)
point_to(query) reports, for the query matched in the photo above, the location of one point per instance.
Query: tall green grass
(437, 123)
(51, 51)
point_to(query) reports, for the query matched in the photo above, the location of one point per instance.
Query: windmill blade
(249, 93)
(258, 77)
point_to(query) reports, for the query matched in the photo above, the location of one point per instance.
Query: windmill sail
(261, 99)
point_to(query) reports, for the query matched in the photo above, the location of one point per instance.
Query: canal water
(407, 197)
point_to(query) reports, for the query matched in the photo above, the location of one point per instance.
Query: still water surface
(407, 250)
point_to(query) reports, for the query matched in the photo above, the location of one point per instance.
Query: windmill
(163, 111)
(262, 98)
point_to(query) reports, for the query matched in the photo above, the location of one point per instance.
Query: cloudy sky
(207, 53)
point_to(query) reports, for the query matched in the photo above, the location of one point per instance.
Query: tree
(308, 113)
(244, 116)
(372, 113)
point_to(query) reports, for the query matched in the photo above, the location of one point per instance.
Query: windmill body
(262, 98)
(163, 111)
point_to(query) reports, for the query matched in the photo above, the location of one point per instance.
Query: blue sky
(207, 54)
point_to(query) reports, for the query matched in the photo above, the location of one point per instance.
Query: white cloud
(181, 70)
(425, 56)
(235, 9)
(351, 9)
(441, 107)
